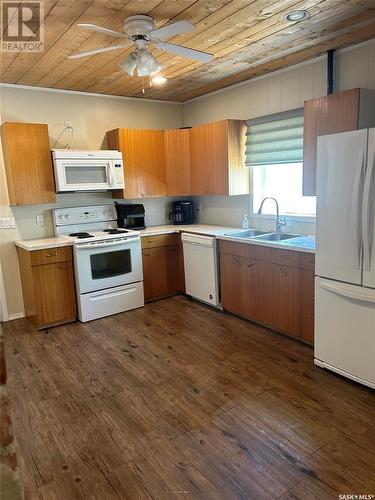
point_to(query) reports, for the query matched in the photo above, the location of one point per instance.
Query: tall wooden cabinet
(144, 162)
(48, 285)
(339, 112)
(217, 159)
(177, 161)
(28, 163)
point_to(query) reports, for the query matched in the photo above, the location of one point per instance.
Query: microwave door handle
(90, 246)
(111, 176)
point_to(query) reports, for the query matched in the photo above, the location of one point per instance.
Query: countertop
(208, 230)
(42, 243)
(300, 244)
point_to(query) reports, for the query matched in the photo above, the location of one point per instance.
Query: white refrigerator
(345, 255)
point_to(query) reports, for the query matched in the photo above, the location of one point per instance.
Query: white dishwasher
(201, 268)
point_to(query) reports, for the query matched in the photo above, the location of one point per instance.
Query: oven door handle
(90, 246)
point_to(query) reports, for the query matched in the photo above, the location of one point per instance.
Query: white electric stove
(107, 260)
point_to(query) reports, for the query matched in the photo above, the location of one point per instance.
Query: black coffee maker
(130, 216)
(182, 212)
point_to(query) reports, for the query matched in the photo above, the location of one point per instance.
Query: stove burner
(115, 231)
(81, 235)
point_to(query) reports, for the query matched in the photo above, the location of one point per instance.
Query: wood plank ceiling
(249, 38)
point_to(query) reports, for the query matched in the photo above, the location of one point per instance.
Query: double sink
(261, 235)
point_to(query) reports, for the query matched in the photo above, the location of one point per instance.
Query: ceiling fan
(140, 32)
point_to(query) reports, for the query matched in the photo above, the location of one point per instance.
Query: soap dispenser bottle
(245, 222)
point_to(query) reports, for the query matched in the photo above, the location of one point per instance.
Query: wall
(91, 117)
(281, 91)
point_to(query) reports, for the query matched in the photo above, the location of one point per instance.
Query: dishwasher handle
(198, 239)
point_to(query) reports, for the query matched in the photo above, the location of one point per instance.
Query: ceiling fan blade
(185, 51)
(172, 29)
(98, 51)
(100, 29)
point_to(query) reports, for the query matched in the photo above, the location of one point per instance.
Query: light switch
(7, 223)
(40, 220)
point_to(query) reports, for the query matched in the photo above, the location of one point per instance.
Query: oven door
(107, 264)
(83, 175)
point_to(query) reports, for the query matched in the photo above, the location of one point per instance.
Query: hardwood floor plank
(177, 399)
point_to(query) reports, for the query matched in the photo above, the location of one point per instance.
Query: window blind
(272, 141)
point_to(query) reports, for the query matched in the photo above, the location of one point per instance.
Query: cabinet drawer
(307, 261)
(243, 250)
(288, 258)
(160, 240)
(51, 255)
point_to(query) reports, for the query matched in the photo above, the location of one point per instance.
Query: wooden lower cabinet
(243, 286)
(163, 268)
(264, 290)
(48, 286)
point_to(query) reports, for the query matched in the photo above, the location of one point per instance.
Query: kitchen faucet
(280, 221)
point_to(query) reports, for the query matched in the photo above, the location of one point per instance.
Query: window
(283, 182)
(274, 151)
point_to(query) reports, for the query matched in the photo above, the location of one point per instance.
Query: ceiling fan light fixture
(296, 15)
(147, 64)
(129, 63)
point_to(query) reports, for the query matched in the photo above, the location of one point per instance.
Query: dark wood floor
(179, 401)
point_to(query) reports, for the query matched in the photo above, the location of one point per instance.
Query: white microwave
(77, 170)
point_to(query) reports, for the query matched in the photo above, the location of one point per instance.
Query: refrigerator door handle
(368, 195)
(356, 210)
(348, 293)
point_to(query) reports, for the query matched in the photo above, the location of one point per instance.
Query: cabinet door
(28, 163)
(177, 162)
(54, 293)
(326, 115)
(209, 159)
(232, 283)
(144, 161)
(161, 271)
(255, 290)
(285, 299)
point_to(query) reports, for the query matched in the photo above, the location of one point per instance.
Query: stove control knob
(67, 216)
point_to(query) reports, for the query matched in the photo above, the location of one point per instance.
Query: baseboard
(15, 316)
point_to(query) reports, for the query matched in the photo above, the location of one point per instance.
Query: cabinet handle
(283, 273)
(51, 254)
(62, 265)
(252, 263)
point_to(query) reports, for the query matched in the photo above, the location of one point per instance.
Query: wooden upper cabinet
(177, 162)
(217, 158)
(340, 112)
(144, 161)
(28, 163)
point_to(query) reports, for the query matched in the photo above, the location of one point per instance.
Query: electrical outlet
(40, 220)
(7, 223)
(199, 208)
